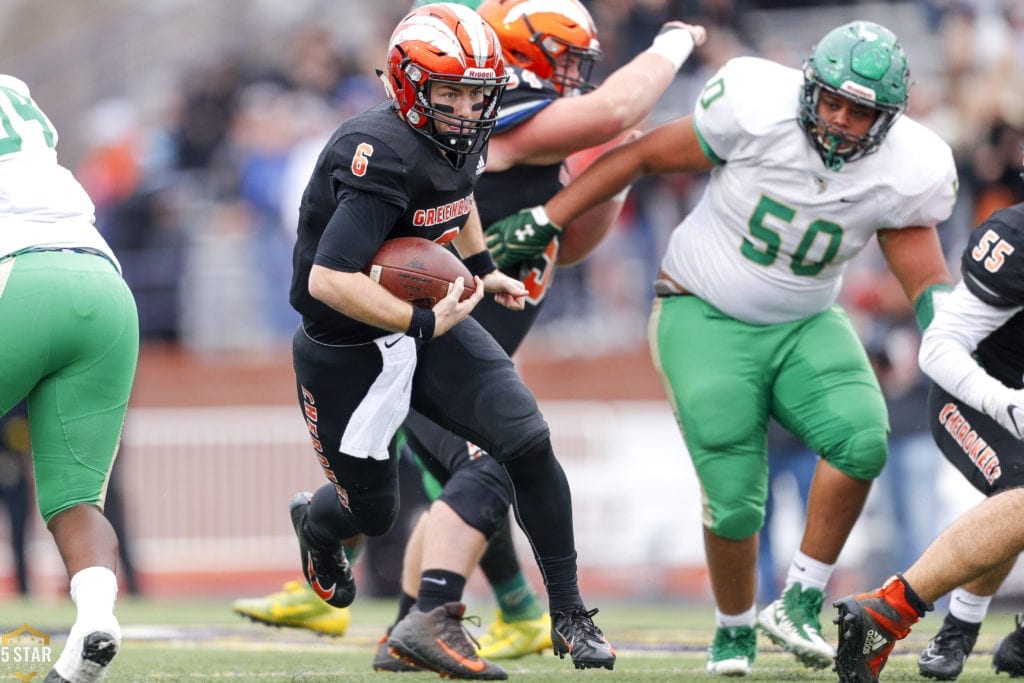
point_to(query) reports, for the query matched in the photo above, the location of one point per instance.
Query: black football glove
(520, 237)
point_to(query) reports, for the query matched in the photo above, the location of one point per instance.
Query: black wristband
(479, 264)
(422, 324)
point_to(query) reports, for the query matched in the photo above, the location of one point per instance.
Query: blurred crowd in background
(197, 185)
(197, 181)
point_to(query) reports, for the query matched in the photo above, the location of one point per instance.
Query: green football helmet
(860, 61)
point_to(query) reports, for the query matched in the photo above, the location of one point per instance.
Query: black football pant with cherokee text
(464, 382)
(987, 454)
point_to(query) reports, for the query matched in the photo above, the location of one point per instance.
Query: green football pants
(725, 379)
(69, 341)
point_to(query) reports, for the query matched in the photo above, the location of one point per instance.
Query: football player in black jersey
(974, 352)
(362, 356)
(549, 111)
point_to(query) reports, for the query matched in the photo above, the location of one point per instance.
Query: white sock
(968, 606)
(741, 619)
(808, 572)
(94, 591)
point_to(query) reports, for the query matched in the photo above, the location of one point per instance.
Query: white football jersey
(41, 203)
(769, 240)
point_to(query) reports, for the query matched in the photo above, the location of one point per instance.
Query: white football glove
(1007, 408)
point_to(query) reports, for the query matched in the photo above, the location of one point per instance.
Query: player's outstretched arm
(583, 234)
(671, 147)
(621, 102)
(521, 237)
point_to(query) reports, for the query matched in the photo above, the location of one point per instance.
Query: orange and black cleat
(869, 626)
(437, 640)
(326, 568)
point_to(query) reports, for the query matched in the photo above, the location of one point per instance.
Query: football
(418, 271)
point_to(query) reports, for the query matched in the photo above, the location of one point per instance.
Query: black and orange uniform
(377, 179)
(988, 455)
(475, 487)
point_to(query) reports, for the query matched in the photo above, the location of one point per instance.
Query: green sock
(517, 600)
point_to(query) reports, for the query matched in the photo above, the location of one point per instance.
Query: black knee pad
(371, 502)
(375, 513)
(480, 493)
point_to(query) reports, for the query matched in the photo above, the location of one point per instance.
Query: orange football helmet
(450, 43)
(555, 39)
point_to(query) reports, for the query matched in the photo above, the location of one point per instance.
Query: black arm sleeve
(356, 230)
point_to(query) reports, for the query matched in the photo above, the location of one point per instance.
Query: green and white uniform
(764, 252)
(69, 330)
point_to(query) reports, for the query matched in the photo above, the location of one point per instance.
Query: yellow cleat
(512, 639)
(296, 606)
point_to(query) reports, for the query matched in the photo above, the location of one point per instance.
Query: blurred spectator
(147, 230)
(208, 101)
(16, 485)
(112, 167)
(137, 210)
(993, 171)
(314, 65)
(261, 138)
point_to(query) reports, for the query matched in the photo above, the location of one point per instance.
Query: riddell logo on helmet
(478, 73)
(858, 90)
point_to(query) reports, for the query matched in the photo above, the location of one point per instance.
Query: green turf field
(187, 640)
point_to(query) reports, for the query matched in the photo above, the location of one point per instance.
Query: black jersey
(503, 193)
(993, 269)
(376, 179)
